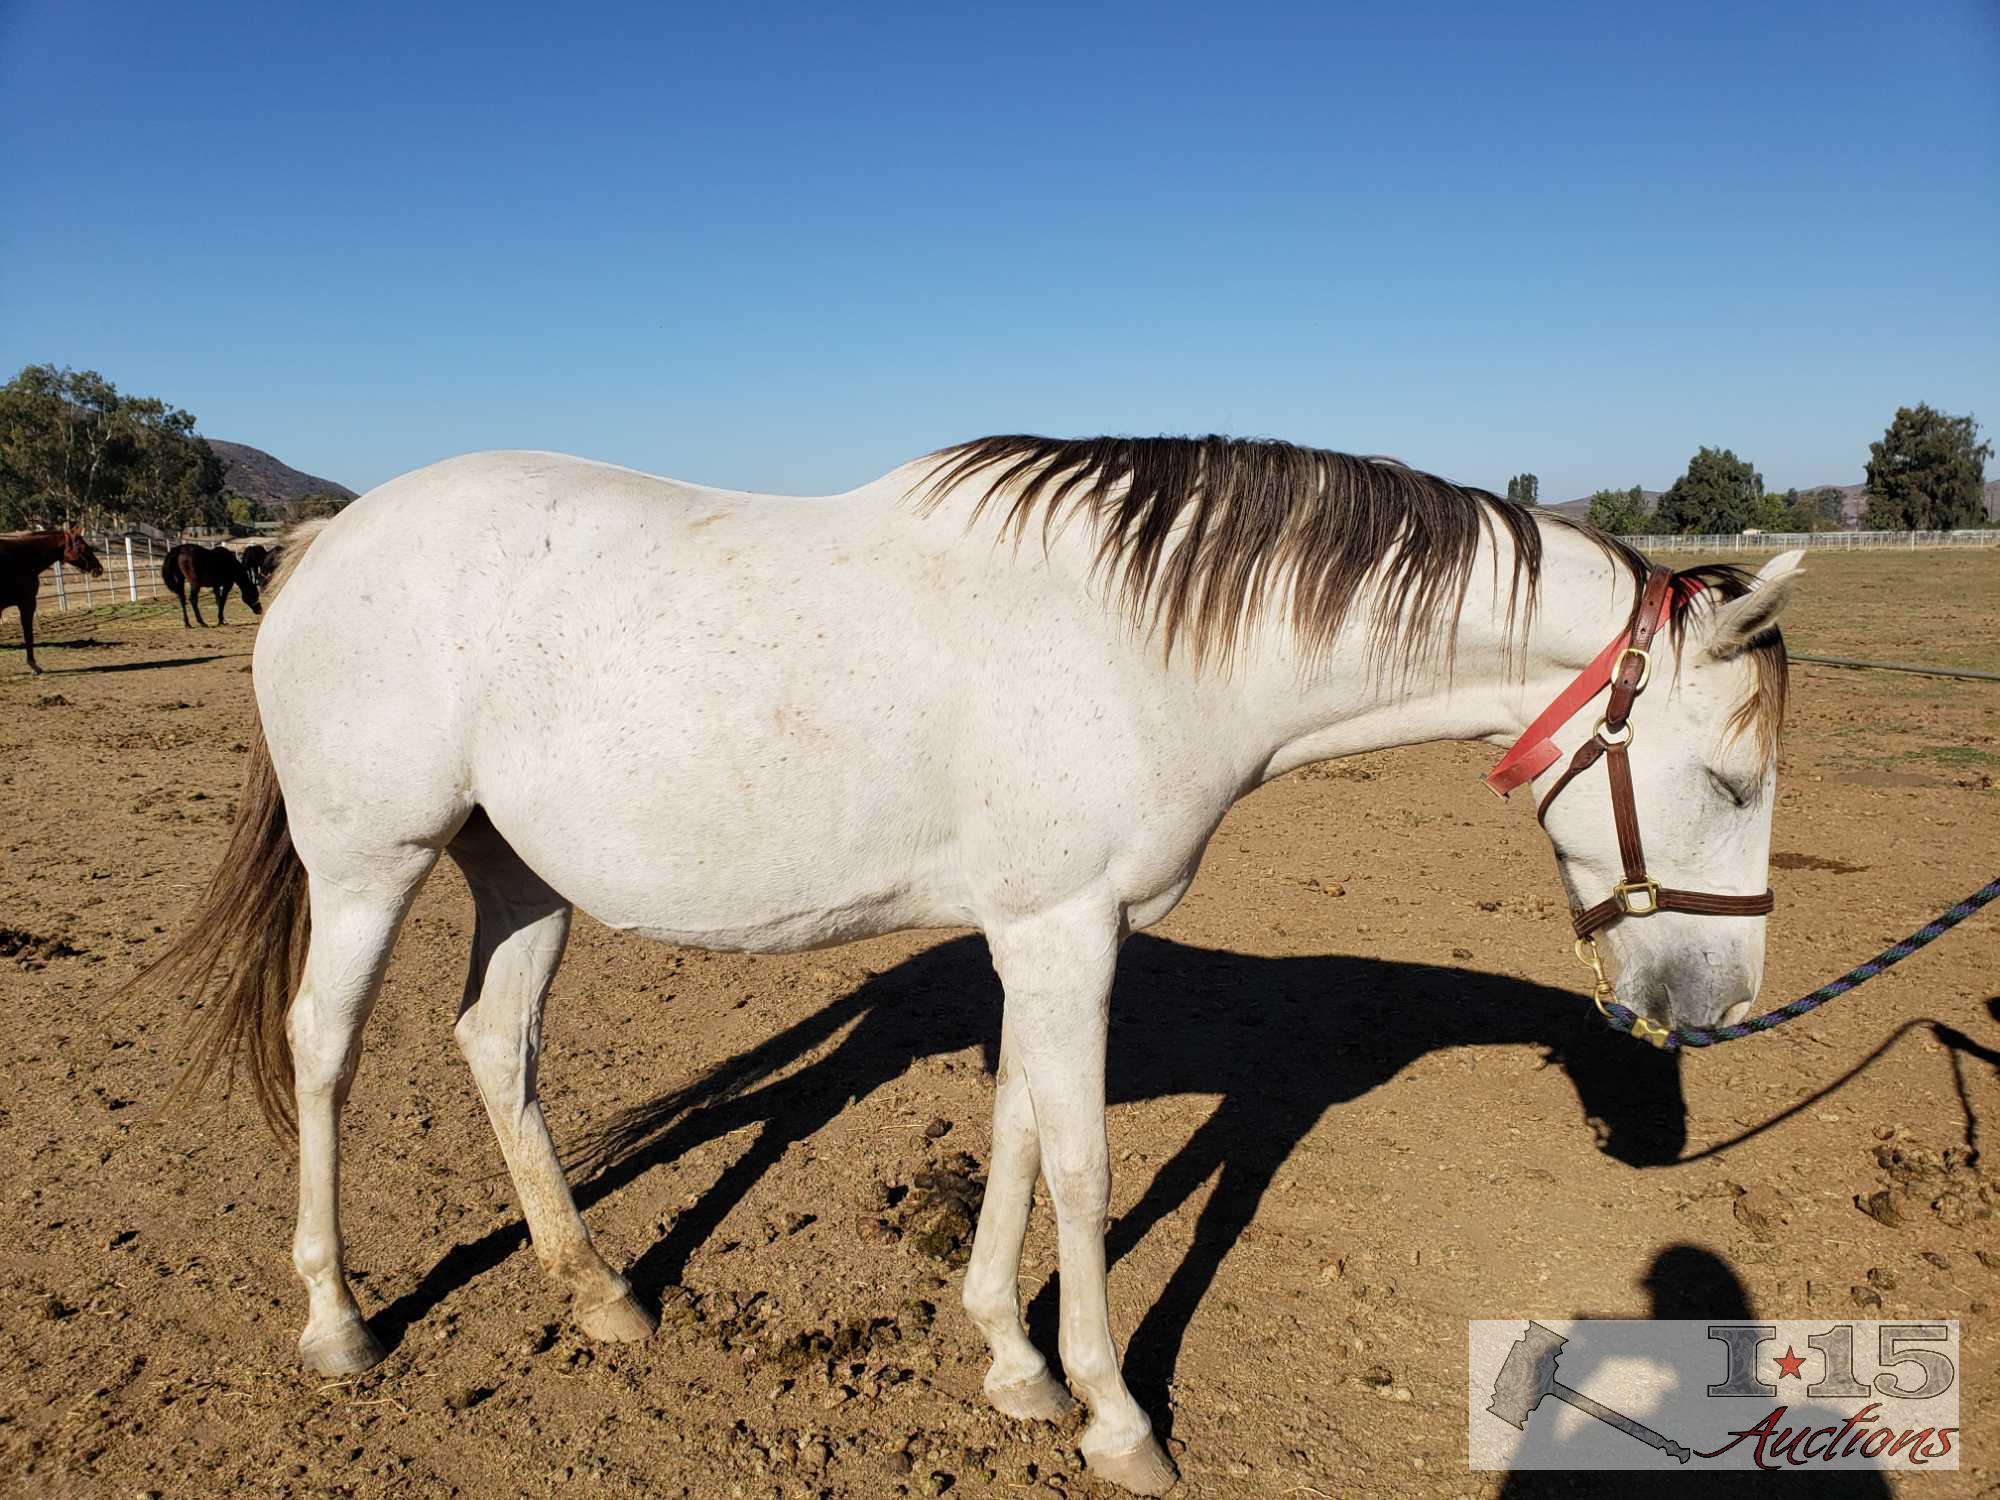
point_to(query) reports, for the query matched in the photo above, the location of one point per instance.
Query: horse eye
(1728, 789)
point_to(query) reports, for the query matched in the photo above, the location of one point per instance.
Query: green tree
(74, 450)
(1524, 489)
(1620, 512)
(314, 506)
(1826, 506)
(1927, 473)
(242, 511)
(63, 444)
(1718, 493)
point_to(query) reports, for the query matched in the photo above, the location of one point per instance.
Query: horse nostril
(1735, 1014)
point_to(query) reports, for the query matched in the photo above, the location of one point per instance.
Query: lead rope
(1622, 1018)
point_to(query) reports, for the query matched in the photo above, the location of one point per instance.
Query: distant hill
(256, 475)
(1579, 509)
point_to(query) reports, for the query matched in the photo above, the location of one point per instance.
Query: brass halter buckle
(1645, 666)
(1602, 993)
(1637, 898)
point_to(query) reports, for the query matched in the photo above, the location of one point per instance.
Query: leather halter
(1626, 665)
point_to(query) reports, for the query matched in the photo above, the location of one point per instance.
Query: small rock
(1761, 1210)
(1937, 1260)
(1461, 953)
(1866, 1298)
(875, 1231)
(1879, 1276)
(938, 1129)
(1881, 1206)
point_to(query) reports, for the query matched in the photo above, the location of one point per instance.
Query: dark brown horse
(23, 558)
(262, 561)
(190, 569)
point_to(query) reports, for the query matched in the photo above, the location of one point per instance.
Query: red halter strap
(1534, 752)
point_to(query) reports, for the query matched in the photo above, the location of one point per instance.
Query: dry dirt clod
(1761, 1210)
(1881, 1206)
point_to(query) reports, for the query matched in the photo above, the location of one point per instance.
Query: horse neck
(1489, 688)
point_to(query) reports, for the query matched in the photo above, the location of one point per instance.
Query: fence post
(62, 599)
(131, 574)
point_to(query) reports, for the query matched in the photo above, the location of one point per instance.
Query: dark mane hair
(1196, 534)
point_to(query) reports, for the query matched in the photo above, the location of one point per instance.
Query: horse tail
(292, 550)
(170, 572)
(252, 925)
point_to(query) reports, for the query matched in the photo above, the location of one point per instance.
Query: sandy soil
(1358, 1099)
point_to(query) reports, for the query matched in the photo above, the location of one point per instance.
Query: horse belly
(715, 779)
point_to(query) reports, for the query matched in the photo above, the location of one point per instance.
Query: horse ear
(1734, 625)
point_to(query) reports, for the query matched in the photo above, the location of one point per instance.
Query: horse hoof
(620, 1321)
(348, 1350)
(1039, 1400)
(1144, 1470)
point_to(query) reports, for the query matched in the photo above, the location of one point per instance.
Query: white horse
(1014, 686)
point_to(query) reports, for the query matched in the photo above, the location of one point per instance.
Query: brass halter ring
(1645, 1029)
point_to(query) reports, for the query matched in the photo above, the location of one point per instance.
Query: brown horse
(23, 558)
(189, 569)
(262, 561)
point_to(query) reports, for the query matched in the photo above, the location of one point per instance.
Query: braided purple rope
(1619, 1018)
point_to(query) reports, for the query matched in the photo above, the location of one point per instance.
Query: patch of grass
(1963, 757)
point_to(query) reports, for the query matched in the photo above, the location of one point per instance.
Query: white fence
(1779, 541)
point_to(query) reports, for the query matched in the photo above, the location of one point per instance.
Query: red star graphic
(1790, 1362)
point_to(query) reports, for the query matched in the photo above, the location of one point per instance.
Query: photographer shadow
(1686, 1281)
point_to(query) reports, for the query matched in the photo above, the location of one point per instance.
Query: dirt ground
(1359, 1098)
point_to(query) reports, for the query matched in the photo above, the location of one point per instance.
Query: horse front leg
(221, 598)
(1018, 1382)
(1057, 970)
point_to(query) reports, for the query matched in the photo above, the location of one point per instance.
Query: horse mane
(1197, 535)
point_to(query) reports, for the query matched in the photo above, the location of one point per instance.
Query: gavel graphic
(1530, 1374)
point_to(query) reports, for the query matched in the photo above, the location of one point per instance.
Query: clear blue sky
(789, 246)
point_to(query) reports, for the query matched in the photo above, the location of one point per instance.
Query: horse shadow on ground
(1279, 1040)
(149, 666)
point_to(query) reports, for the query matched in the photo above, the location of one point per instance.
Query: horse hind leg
(520, 930)
(27, 609)
(354, 927)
